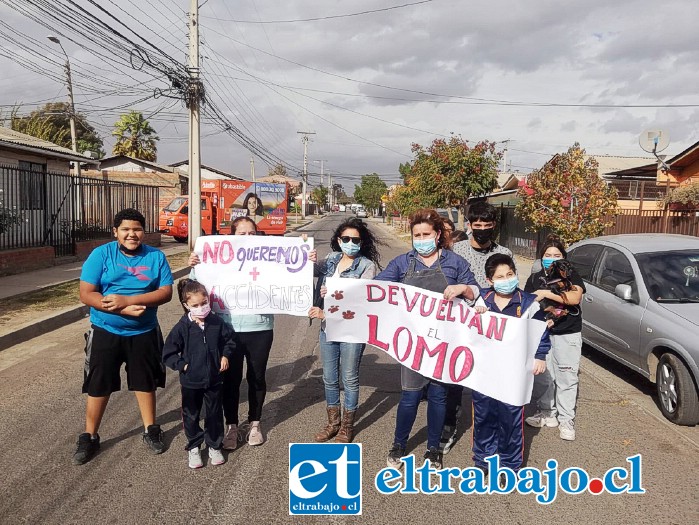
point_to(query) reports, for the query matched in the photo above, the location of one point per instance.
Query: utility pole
(252, 169)
(304, 177)
(195, 95)
(504, 155)
(322, 170)
(73, 134)
(330, 192)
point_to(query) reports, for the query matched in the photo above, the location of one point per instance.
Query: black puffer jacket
(201, 350)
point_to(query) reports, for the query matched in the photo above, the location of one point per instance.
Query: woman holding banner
(354, 256)
(430, 266)
(254, 337)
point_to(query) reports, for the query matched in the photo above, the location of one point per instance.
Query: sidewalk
(41, 322)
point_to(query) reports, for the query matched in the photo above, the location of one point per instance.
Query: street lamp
(73, 135)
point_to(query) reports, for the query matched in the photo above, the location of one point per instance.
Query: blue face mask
(546, 262)
(506, 286)
(425, 246)
(349, 248)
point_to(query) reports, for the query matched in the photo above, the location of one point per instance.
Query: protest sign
(444, 340)
(248, 274)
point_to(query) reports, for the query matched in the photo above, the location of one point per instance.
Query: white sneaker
(216, 457)
(195, 458)
(539, 420)
(567, 430)
(230, 440)
(255, 436)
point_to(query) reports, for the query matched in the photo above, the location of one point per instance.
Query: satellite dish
(654, 141)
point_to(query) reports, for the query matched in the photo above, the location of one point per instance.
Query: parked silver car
(642, 309)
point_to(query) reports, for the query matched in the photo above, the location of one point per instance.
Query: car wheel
(676, 391)
(181, 239)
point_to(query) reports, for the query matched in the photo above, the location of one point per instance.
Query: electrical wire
(315, 19)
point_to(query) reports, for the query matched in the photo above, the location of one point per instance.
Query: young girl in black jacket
(199, 347)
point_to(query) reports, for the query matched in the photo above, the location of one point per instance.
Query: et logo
(325, 478)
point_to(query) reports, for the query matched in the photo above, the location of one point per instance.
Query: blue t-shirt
(115, 273)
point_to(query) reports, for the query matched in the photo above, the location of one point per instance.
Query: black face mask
(482, 236)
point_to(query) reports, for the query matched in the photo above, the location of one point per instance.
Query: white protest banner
(444, 340)
(249, 274)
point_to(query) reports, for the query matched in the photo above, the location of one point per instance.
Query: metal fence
(39, 208)
(654, 221)
(513, 233)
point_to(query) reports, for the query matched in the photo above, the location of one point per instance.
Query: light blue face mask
(349, 248)
(506, 286)
(425, 246)
(546, 262)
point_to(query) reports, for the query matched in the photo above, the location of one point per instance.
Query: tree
(278, 171)
(568, 196)
(370, 191)
(52, 123)
(135, 137)
(449, 172)
(319, 195)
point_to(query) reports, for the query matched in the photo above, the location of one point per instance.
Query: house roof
(12, 139)
(613, 163)
(687, 157)
(223, 174)
(115, 160)
(281, 179)
(648, 171)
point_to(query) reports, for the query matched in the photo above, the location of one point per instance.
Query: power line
(315, 19)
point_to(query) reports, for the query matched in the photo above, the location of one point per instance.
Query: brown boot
(332, 427)
(346, 432)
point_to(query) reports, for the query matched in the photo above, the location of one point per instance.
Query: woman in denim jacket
(354, 256)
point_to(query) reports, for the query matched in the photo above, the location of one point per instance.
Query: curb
(57, 320)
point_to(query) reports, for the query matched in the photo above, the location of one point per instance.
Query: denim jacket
(361, 268)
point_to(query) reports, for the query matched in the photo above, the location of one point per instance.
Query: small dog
(557, 279)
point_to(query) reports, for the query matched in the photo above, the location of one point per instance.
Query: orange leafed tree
(568, 196)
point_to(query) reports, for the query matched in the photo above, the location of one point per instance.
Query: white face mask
(201, 311)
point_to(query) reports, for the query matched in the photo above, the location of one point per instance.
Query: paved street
(42, 412)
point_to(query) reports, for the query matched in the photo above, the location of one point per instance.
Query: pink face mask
(201, 312)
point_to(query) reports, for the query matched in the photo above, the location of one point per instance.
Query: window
(615, 269)
(32, 185)
(583, 259)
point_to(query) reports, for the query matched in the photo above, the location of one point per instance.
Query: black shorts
(105, 352)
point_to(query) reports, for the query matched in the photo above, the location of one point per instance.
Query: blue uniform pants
(497, 429)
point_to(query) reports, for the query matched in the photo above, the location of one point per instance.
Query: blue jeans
(436, 411)
(341, 360)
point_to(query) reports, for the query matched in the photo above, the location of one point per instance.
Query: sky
(540, 74)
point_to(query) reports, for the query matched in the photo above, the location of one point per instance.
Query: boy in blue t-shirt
(498, 426)
(123, 282)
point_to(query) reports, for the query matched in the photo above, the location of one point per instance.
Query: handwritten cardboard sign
(443, 340)
(247, 274)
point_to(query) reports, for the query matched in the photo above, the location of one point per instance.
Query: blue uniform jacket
(522, 304)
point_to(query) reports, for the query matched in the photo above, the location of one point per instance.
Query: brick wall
(26, 260)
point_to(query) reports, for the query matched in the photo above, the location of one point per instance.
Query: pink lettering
(426, 312)
(440, 351)
(369, 295)
(392, 291)
(408, 347)
(496, 330)
(210, 253)
(476, 322)
(373, 336)
(440, 309)
(466, 367)
(410, 305)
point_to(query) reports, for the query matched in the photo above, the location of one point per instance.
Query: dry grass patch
(59, 296)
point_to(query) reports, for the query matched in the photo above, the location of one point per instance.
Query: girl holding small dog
(560, 289)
